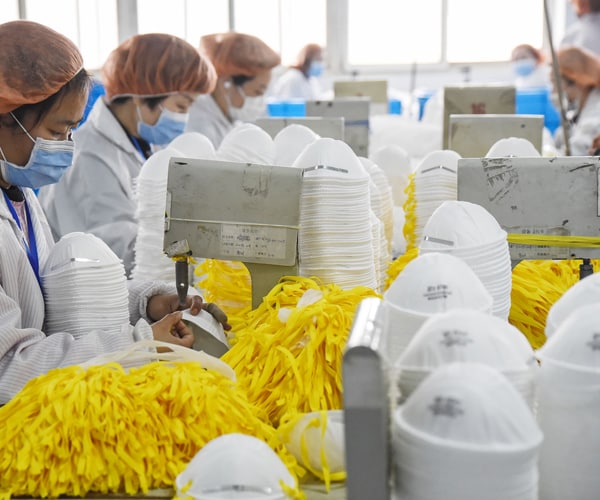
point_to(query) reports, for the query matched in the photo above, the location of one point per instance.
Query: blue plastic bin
(286, 109)
(536, 101)
(395, 107)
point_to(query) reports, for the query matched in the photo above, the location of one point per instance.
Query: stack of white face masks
(435, 182)
(468, 336)
(84, 287)
(235, 466)
(430, 284)
(466, 434)
(569, 406)
(395, 164)
(151, 263)
(247, 143)
(584, 292)
(469, 231)
(382, 205)
(512, 146)
(335, 237)
(290, 142)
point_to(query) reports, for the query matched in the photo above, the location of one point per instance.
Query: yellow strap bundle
(536, 286)
(295, 366)
(102, 429)
(410, 214)
(228, 284)
(398, 265)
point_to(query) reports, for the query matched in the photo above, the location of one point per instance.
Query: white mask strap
(22, 127)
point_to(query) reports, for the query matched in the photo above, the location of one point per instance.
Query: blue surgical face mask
(48, 161)
(169, 125)
(524, 67)
(316, 68)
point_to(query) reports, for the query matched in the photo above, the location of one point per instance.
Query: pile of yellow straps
(295, 366)
(106, 430)
(410, 214)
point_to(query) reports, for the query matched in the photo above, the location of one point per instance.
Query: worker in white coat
(580, 74)
(300, 81)
(585, 31)
(151, 81)
(41, 99)
(244, 64)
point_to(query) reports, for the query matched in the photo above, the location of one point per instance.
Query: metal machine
(476, 100)
(367, 406)
(549, 206)
(234, 211)
(376, 90)
(332, 127)
(472, 136)
(355, 111)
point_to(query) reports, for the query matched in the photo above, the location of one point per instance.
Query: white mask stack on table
(569, 401)
(465, 434)
(85, 287)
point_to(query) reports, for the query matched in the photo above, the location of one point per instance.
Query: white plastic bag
(144, 351)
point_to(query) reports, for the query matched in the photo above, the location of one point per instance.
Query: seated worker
(580, 75)
(243, 64)
(300, 79)
(41, 100)
(529, 67)
(150, 82)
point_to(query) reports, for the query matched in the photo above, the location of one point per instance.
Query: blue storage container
(536, 101)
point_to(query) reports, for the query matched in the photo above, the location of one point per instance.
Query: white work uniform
(584, 32)
(587, 127)
(207, 118)
(25, 350)
(96, 195)
(294, 85)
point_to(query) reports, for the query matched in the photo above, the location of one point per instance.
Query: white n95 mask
(235, 466)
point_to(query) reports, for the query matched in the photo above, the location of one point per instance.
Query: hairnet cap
(36, 63)
(238, 54)
(156, 64)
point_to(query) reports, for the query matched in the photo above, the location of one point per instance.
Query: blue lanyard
(30, 248)
(138, 147)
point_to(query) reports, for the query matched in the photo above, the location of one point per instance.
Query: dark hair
(151, 102)
(79, 84)
(239, 80)
(595, 5)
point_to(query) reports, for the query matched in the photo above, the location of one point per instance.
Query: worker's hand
(161, 305)
(173, 330)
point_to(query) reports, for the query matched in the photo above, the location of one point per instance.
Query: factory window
(187, 19)
(419, 32)
(91, 24)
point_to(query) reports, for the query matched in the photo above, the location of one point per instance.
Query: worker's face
(178, 103)
(56, 125)
(252, 88)
(580, 6)
(571, 92)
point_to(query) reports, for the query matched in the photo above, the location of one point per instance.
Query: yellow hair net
(156, 64)
(35, 63)
(238, 54)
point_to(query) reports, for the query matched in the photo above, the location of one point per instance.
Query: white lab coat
(584, 32)
(207, 118)
(25, 350)
(96, 195)
(294, 85)
(587, 127)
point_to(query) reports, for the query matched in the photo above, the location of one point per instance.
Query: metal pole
(557, 81)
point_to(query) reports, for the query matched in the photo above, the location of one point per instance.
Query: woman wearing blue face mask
(151, 81)
(41, 99)
(243, 64)
(529, 68)
(300, 81)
